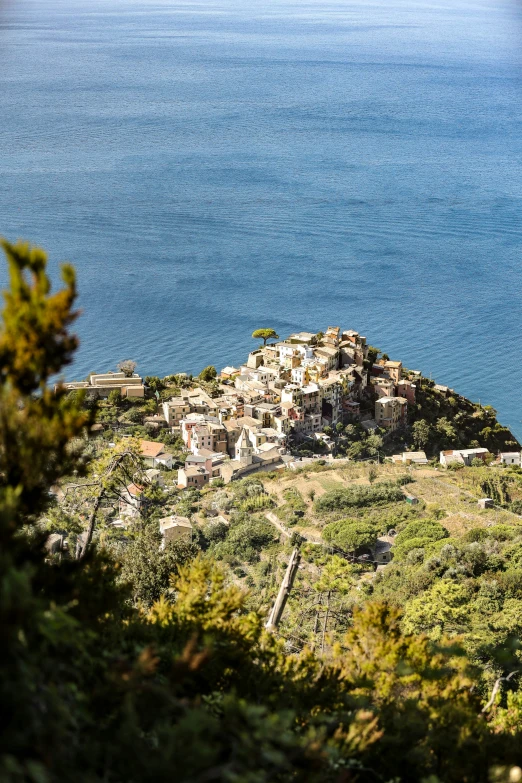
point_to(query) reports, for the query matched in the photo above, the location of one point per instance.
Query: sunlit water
(215, 167)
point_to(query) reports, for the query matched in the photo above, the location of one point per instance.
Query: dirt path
(272, 518)
(275, 521)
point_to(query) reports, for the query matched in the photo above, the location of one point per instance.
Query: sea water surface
(214, 167)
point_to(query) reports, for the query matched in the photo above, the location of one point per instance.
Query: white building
(287, 350)
(510, 458)
(464, 456)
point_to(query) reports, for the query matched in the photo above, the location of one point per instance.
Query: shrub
(127, 367)
(135, 415)
(247, 487)
(154, 383)
(351, 534)
(358, 496)
(217, 531)
(208, 374)
(256, 503)
(245, 540)
(423, 528)
(418, 535)
(296, 539)
(114, 397)
(497, 532)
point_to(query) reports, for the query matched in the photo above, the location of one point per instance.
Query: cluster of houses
(288, 390)
(227, 436)
(309, 381)
(293, 388)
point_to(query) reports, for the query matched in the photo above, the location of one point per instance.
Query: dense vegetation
(443, 420)
(132, 665)
(340, 499)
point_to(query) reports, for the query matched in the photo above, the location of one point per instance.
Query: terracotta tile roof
(151, 449)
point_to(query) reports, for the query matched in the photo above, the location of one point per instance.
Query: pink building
(406, 389)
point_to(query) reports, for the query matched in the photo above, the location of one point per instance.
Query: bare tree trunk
(325, 619)
(82, 551)
(284, 591)
(316, 623)
(91, 525)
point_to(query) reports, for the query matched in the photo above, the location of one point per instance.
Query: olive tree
(127, 367)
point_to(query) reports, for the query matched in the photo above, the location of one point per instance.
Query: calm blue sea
(217, 166)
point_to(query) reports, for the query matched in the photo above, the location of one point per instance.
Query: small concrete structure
(410, 458)
(414, 458)
(154, 476)
(174, 528)
(228, 372)
(510, 458)
(382, 551)
(486, 503)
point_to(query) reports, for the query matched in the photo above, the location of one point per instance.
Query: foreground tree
(265, 334)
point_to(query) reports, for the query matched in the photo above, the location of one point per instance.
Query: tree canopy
(127, 367)
(351, 534)
(265, 334)
(208, 374)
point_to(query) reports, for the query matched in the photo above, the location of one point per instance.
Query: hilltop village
(300, 398)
